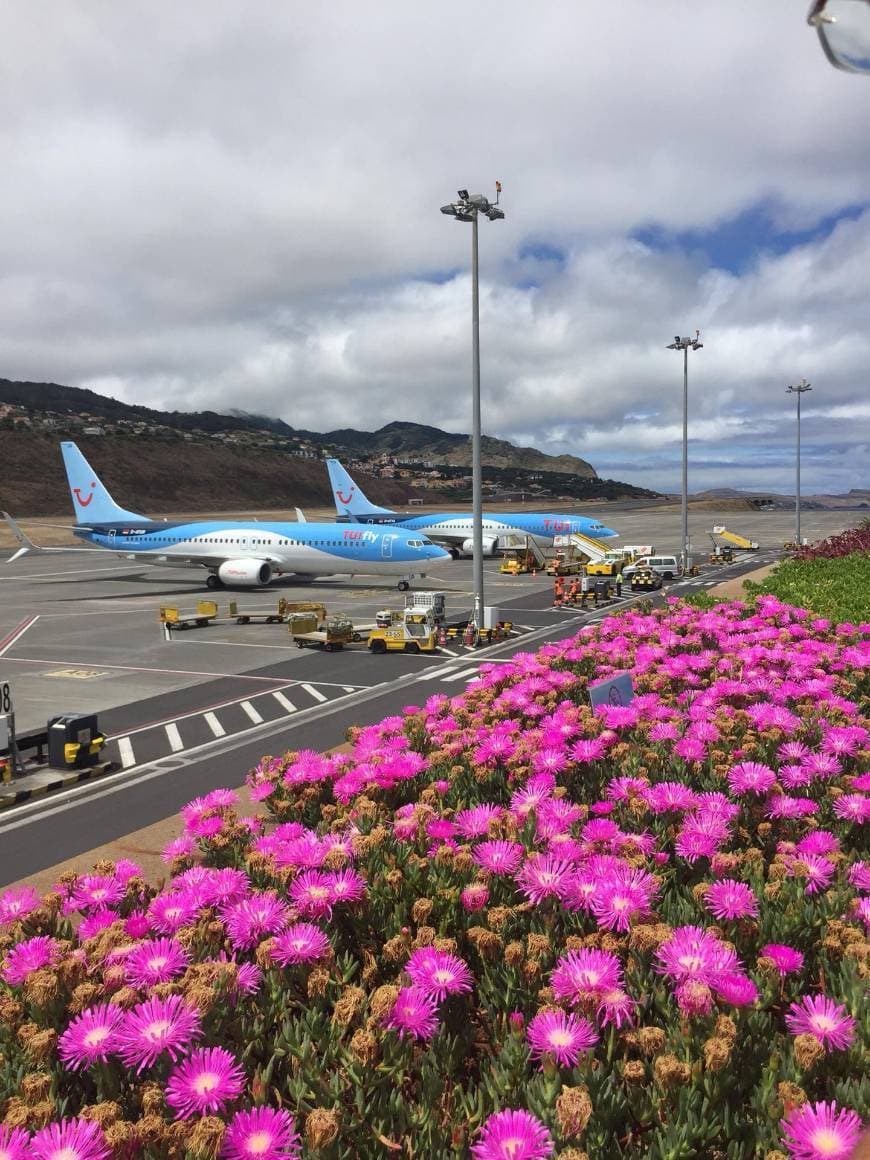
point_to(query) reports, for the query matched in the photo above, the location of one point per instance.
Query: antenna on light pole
(467, 208)
(685, 345)
(800, 389)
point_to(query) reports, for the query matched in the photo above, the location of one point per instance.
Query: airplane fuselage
(315, 549)
(459, 526)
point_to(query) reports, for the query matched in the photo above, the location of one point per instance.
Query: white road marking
(449, 651)
(349, 688)
(125, 752)
(282, 700)
(463, 674)
(315, 693)
(214, 725)
(251, 712)
(174, 737)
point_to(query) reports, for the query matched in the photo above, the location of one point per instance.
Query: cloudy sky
(221, 204)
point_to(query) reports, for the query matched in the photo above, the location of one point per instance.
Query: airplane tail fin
(349, 498)
(91, 501)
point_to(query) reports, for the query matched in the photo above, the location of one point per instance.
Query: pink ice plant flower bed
(504, 925)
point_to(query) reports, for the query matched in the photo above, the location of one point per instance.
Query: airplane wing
(27, 545)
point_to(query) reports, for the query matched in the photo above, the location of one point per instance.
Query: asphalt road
(207, 728)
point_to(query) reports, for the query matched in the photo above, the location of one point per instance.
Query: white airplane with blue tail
(456, 529)
(235, 553)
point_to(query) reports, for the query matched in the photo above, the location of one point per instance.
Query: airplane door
(387, 547)
(111, 537)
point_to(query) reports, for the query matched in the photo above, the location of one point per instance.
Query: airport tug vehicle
(411, 630)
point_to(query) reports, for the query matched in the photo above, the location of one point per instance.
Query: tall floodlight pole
(467, 209)
(799, 390)
(685, 345)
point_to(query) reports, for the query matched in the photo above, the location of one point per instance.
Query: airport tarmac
(81, 633)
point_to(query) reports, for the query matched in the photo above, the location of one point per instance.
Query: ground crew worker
(618, 585)
(558, 591)
(572, 591)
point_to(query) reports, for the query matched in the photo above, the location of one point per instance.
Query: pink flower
(95, 892)
(91, 1036)
(26, 957)
(750, 777)
(585, 974)
(14, 1143)
(615, 1006)
(820, 1131)
(692, 953)
(622, 897)
(301, 943)
(69, 1140)
(853, 807)
(498, 857)
(171, 911)
(155, 1026)
(543, 876)
(438, 973)
(311, 894)
(562, 1035)
(820, 1016)
(513, 1135)
(17, 903)
(474, 823)
(785, 958)
(255, 917)
(346, 886)
(261, 1134)
(729, 899)
(414, 1014)
(817, 871)
(204, 1083)
(156, 961)
(475, 896)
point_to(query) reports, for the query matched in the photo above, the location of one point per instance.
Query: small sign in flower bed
(505, 926)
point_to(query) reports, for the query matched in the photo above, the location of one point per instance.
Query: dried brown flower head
(573, 1110)
(364, 1046)
(671, 1072)
(321, 1127)
(807, 1051)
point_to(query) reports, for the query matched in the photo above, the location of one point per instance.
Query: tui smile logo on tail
(83, 501)
(340, 496)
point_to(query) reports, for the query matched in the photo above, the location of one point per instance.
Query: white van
(668, 567)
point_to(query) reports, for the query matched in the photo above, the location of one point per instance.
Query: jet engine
(490, 544)
(245, 573)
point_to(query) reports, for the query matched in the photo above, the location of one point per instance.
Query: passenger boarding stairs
(594, 550)
(741, 542)
(515, 542)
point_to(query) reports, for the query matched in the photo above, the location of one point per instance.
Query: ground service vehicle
(666, 566)
(645, 580)
(414, 632)
(334, 634)
(741, 542)
(434, 601)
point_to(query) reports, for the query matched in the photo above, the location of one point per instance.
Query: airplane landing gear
(403, 585)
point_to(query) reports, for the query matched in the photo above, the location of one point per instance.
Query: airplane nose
(605, 532)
